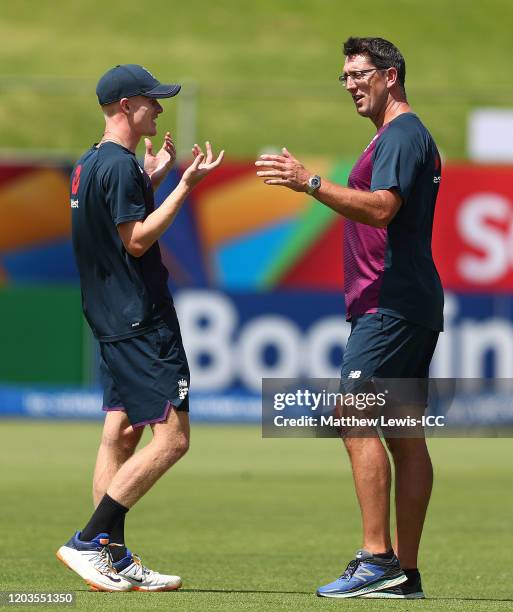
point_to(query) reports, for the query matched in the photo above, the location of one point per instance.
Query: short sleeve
(395, 162)
(123, 188)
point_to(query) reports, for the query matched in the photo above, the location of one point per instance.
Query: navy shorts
(382, 346)
(146, 375)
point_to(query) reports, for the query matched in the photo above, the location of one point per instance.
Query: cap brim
(163, 91)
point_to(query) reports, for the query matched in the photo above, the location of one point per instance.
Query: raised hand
(158, 165)
(202, 164)
(284, 170)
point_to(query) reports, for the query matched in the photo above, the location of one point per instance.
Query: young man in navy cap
(128, 306)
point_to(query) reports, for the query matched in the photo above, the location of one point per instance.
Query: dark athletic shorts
(382, 346)
(146, 375)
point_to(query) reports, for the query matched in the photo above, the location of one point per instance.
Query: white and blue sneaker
(141, 578)
(365, 574)
(91, 561)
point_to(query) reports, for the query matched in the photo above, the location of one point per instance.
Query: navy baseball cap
(128, 80)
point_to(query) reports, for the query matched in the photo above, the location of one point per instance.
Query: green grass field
(266, 70)
(253, 524)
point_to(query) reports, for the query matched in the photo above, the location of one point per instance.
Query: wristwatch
(314, 182)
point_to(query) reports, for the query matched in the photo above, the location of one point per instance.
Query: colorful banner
(237, 234)
(257, 273)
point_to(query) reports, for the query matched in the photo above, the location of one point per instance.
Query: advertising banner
(257, 278)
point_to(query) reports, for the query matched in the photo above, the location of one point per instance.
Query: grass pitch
(266, 71)
(253, 524)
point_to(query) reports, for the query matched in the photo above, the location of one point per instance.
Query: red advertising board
(473, 233)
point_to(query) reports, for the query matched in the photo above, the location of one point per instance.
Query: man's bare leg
(131, 481)
(118, 443)
(136, 475)
(139, 473)
(413, 484)
(371, 472)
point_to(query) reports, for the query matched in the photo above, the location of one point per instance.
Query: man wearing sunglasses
(394, 301)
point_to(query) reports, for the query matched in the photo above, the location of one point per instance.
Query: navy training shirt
(391, 270)
(122, 295)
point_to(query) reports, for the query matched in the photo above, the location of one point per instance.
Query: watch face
(315, 181)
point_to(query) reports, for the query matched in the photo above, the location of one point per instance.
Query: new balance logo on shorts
(354, 374)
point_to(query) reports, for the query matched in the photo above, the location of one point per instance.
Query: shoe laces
(142, 568)
(139, 567)
(350, 569)
(100, 560)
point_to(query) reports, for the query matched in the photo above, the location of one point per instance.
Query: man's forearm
(370, 208)
(146, 233)
(376, 208)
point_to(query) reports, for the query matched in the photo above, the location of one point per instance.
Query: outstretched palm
(157, 165)
(202, 164)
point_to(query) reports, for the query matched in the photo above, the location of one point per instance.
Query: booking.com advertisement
(257, 281)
